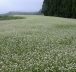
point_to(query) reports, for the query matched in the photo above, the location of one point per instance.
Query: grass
(38, 44)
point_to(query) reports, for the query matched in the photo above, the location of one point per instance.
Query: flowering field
(38, 44)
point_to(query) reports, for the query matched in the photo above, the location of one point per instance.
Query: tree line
(8, 17)
(61, 8)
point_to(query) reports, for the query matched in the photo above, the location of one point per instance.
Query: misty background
(20, 5)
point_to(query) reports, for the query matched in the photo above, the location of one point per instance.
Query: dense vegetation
(7, 17)
(38, 44)
(62, 8)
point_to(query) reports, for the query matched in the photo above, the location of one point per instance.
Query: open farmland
(38, 44)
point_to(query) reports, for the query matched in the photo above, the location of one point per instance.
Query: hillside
(38, 44)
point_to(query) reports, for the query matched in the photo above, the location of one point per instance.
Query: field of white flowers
(38, 44)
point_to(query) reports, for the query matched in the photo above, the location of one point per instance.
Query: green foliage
(38, 44)
(5, 17)
(62, 8)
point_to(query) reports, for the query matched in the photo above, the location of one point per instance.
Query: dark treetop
(61, 8)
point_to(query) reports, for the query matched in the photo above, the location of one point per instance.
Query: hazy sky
(20, 5)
